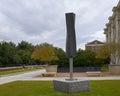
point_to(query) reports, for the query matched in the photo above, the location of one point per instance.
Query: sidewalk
(85, 78)
(21, 76)
(33, 76)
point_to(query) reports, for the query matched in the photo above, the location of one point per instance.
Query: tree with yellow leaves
(111, 50)
(45, 53)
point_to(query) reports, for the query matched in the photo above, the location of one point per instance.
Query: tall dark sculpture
(70, 41)
(71, 38)
(71, 85)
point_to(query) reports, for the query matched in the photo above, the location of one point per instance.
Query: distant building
(94, 45)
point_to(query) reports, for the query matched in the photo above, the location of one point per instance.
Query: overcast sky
(38, 21)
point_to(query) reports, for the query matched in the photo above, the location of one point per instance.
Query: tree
(45, 53)
(23, 45)
(85, 58)
(8, 53)
(62, 59)
(109, 50)
(24, 50)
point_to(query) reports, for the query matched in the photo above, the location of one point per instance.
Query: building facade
(112, 32)
(94, 45)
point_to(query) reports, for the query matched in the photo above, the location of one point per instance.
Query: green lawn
(45, 88)
(15, 71)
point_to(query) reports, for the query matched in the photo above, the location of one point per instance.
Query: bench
(94, 73)
(49, 74)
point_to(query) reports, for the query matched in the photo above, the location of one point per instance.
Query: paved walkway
(85, 78)
(20, 76)
(31, 76)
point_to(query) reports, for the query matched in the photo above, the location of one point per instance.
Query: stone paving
(34, 75)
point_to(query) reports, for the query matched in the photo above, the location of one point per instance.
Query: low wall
(51, 68)
(114, 69)
(10, 68)
(21, 67)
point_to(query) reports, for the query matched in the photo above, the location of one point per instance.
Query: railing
(79, 69)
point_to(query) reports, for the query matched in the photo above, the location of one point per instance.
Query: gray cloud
(38, 21)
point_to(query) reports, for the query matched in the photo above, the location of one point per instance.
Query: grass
(45, 88)
(15, 71)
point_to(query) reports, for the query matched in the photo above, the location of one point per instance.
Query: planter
(51, 68)
(114, 69)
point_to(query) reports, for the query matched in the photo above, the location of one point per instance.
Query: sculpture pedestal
(73, 86)
(114, 69)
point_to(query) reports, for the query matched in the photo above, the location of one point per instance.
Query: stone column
(111, 20)
(112, 29)
(106, 33)
(109, 32)
(110, 38)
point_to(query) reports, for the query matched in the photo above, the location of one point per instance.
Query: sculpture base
(71, 86)
(114, 69)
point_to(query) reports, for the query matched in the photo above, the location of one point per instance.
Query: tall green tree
(23, 45)
(84, 58)
(62, 60)
(8, 54)
(87, 58)
(24, 50)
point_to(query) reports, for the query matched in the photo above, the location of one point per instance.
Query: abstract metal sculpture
(70, 40)
(71, 85)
